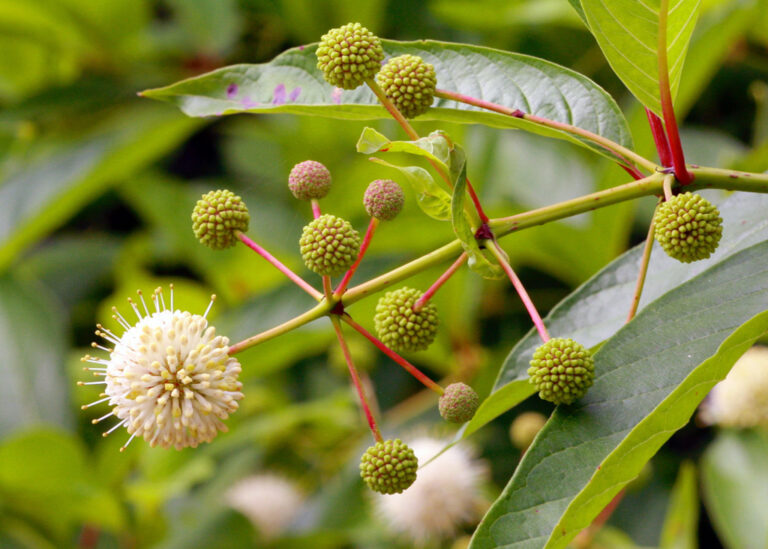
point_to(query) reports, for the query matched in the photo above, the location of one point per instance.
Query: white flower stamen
(169, 377)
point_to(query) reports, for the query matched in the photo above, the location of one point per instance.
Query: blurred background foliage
(96, 188)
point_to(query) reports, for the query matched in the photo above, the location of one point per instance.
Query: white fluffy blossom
(741, 399)
(169, 377)
(444, 497)
(270, 502)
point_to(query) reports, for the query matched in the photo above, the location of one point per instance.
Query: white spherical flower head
(741, 399)
(444, 497)
(169, 377)
(269, 501)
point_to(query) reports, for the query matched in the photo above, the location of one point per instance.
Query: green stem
(435, 257)
(319, 310)
(705, 178)
(634, 189)
(620, 151)
(643, 267)
(729, 180)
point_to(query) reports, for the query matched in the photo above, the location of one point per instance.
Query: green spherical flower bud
(688, 227)
(399, 326)
(329, 245)
(389, 467)
(458, 403)
(216, 217)
(383, 199)
(562, 370)
(349, 55)
(309, 179)
(525, 427)
(410, 83)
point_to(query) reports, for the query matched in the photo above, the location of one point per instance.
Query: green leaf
(649, 379)
(434, 147)
(734, 477)
(477, 260)
(628, 33)
(576, 4)
(291, 83)
(681, 522)
(34, 389)
(431, 197)
(61, 178)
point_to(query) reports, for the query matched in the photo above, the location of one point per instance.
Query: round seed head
(458, 403)
(349, 55)
(562, 370)
(688, 227)
(389, 467)
(216, 217)
(329, 245)
(524, 429)
(383, 199)
(399, 326)
(309, 179)
(410, 83)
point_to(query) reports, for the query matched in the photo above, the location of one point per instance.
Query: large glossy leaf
(734, 477)
(59, 179)
(291, 83)
(628, 33)
(649, 379)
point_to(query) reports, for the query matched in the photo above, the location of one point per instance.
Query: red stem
(316, 208)
(476, 201)
(634, 172)
(341, 288)
(356, 380)
(493, 247)
(439, 282)
(660, 138)
(410, 368)
(303, 284)
(667, 109)
(517, 113)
